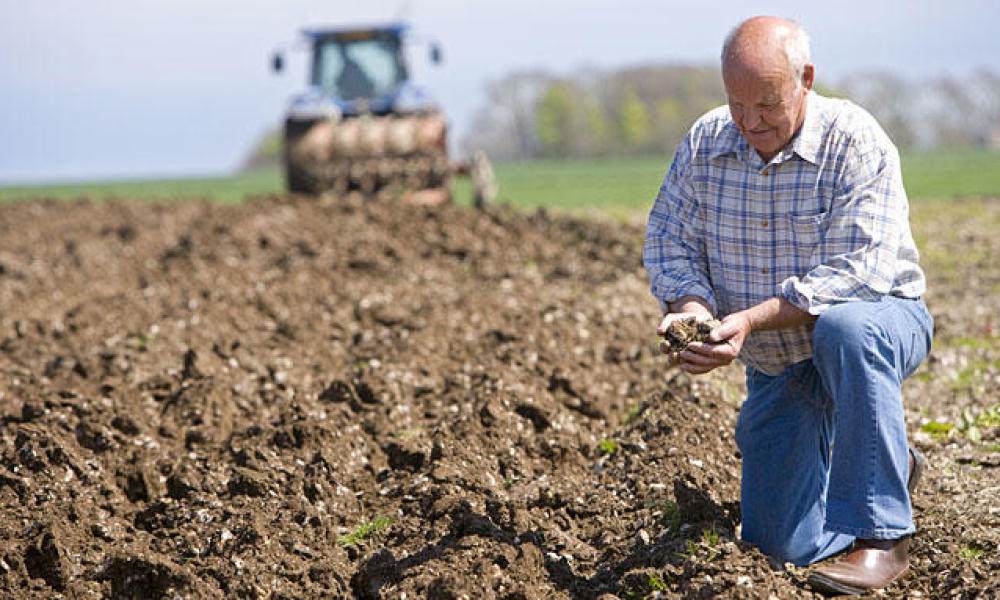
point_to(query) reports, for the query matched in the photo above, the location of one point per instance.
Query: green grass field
(629, 185)
(616, 186)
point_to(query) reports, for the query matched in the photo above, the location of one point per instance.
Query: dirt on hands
(683, 331)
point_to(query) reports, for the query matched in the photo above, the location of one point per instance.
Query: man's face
(768, 105)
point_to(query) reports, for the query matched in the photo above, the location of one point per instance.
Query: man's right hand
(682, 308)
(669, 318)
(661, 330)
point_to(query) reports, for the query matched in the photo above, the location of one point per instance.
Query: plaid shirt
(824, 222)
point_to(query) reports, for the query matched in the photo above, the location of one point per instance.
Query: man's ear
(808, 76)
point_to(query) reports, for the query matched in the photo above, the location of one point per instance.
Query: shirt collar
(805, 143)
(729, 141)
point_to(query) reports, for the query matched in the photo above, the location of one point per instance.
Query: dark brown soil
(295, 398)
(682, 332)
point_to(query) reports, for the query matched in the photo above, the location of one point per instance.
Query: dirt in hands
(686, 330)
(338, 398)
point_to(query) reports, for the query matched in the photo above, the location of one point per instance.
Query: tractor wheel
(298, 180)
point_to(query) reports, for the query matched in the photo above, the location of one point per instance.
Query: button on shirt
(825, 221)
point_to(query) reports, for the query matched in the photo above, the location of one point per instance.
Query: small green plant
(937, 429)
(633, 413)
(365, 530)
(710, 537)
(969, 425)
(672, 517)
(655, 584)
(607, 446)
(707, 546)
(691, 551)
(142, 341)
(971, 551)
(509, 482)
(407, 434)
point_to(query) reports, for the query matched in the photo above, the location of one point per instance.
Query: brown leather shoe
(869, 565)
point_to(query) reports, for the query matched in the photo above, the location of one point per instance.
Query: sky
(107, 89)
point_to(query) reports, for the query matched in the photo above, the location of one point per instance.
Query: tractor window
(358, 69)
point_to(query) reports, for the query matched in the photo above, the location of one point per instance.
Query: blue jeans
(825, 455)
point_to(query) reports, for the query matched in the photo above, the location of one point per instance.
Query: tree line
(648, 109)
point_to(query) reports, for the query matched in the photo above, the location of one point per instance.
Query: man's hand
(726, 340)
(669, 318)
(725, 343)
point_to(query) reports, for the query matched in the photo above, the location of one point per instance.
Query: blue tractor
(362, 124)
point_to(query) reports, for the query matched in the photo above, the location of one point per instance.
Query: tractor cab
(358, 70)
(362, 70)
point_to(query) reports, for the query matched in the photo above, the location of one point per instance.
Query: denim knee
(843, 329)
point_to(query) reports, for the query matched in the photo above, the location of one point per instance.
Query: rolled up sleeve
(858, 249)
(674, 251)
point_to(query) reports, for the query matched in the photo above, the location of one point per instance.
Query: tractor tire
(298, 180)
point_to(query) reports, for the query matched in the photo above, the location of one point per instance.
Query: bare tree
(945, 111)
(505, 126)
(648, 109)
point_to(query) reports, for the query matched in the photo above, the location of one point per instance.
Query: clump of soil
(682, 332)
(301, 398)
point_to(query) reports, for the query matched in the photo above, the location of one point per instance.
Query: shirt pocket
(806, 234)
(806, 229)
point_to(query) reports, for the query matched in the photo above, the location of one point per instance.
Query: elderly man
(784, 215)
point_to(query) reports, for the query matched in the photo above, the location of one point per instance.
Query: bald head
(766, 43)
(767, 76)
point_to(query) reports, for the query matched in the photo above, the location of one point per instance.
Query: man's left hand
(700, 358)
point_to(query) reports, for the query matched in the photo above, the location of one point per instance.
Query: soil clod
(682, 332)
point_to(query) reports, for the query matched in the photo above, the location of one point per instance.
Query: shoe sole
(823, 584)
(919, 464)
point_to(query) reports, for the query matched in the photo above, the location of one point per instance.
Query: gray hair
(796, 45)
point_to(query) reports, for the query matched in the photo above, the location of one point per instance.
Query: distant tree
(570, 122)
(554, 123)
(944, 111)
(669, 121)
(893, 102)
(675, 95)
(266, 151)
(957, 120)
(599, 131)
(633, 122)
(505, 126)
(593, 113)
(649, 108)
(986, 90)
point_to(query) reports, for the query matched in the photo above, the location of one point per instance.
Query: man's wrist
(775, 313)
(690, 304)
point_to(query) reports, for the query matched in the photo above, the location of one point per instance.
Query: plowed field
(299, 398)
